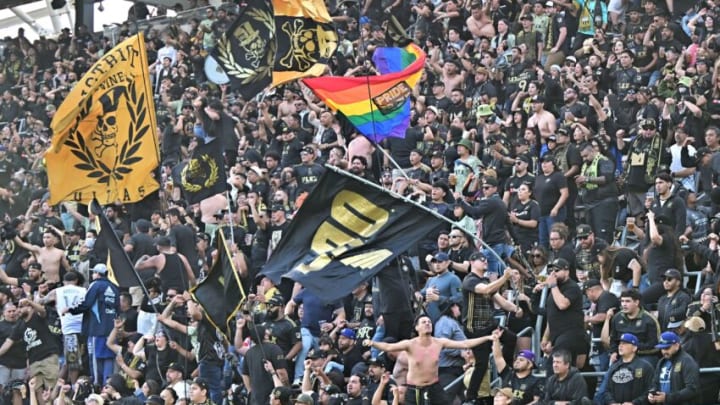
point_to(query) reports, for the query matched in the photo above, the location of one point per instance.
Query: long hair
(609, 255)
(667, 231)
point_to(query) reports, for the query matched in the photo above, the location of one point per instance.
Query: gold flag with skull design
(273, 42)
(104, 144)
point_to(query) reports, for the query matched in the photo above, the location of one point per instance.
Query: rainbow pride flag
(378, 106)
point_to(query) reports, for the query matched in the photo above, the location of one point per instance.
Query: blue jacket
(99, 308)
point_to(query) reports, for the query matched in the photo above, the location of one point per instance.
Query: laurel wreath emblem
(209, 181)
(226, 57)
(128, 156)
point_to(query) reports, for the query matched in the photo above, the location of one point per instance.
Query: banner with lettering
(345, 232)
(104, 143)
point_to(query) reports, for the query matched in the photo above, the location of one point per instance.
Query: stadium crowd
(578, 139)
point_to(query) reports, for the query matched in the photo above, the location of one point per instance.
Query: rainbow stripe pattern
(378, 106)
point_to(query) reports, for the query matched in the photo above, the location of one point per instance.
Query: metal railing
(536, 336)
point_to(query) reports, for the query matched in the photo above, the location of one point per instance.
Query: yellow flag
(305, 38)
(104, 143)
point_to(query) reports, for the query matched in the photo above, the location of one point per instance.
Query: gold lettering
(373, 219)
(367, 259)
(357, 219)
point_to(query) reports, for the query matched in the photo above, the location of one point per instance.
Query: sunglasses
(487, 187)
(646, 127)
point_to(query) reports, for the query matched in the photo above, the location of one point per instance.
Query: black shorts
(432, 394)
(576, 343)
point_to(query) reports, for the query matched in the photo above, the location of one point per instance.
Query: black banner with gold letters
(273, 42)
(344, 233)
(204, 175)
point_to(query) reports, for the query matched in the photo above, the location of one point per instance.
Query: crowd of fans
(577, 139)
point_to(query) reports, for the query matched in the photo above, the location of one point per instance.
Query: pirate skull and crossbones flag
(104, 143)
(273, 42)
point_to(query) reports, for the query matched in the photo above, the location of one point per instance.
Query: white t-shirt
(676, 166)
(69, 296)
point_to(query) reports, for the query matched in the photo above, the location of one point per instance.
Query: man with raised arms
(423, 355)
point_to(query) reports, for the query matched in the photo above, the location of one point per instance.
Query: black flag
(344, 233)
(110, 251)
(273, 42)
(220, 293)
(204, 175)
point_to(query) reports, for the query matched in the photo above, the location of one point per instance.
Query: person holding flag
(99, 309)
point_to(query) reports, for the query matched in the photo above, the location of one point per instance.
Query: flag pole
(393, 161)
(96, 208)
(409, 201)
(232, 231)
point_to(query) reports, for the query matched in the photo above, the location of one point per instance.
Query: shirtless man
(287, 105)
(361, 146)
(542, 119)
(479, 24)
(451, 75)
(49, 257)
(423, 356)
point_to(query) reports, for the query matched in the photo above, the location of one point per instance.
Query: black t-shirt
(400, 147)
(183, 238)
(620, 270)
(130, 316)
(276, 233)
(530, 210)
(386, 394)
(212, 350)
(13, 256)
(284, 333)
(16, 357)
(351, 358)
(569, 320)
(514, 182)
(158, 359)
(290, 152)
(308, 176)
(459, 256)
(524, 389)
(254, 367)
(568, 253)
(547, 191)
(660, 258)
(606, 301)
(143, 244)
(39, 342)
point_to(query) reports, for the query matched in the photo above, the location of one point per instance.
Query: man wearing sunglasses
(494, 214)
(586, 253)
(673, 305)
(565, 318)
(480, 296)
(646, 153)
